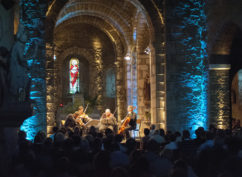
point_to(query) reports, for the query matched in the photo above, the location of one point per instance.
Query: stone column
(187, 65)
(134, 88)
(99, 78)
(219, 87)
(120, 88)
(33, 18)
(160, 81)
(143, 69)
(50, 87)
(131, 81)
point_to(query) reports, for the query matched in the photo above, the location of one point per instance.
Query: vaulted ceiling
(110, 21)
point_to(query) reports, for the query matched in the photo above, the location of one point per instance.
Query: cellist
(132, 123)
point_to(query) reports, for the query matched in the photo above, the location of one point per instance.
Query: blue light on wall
(32, 13)
(194, 74)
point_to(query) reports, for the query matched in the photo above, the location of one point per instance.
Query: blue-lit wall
(32, 17)
(187, 65)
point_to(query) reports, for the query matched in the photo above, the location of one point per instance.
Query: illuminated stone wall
(187, 67)
(219, 86)
(99, 78)
(156, 11)
(32, 16)
(51, 90)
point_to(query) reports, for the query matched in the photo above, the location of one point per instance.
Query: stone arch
(97, 10)
(75, 50)
(107, 28)
(222, 42)
(119, 28)
(224, 66)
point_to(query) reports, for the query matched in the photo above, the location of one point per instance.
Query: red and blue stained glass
(74, 76)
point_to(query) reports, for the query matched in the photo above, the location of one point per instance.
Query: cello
(124, 125)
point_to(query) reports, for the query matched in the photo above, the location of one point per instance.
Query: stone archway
(118, 23)
(224, 64)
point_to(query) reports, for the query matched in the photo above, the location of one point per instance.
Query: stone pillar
(219, 87)
(143, 69)
(160, 81)
(120, 88)
(134, 88)
(131, 81)
(51, 93)
(187, 65)
(99, 78)
(128, 65)
(33, 18)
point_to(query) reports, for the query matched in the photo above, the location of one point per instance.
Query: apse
(93, 55)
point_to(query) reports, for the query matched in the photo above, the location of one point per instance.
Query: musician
(70, 121)
(107, 120)
(132, 124)
(83, 116)
(78, 120)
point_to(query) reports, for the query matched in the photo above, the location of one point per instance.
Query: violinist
(83, 116)
(78, 119)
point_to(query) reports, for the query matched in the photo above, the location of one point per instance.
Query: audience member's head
(185, 135)
(146, 131)
(180, 169)
(152, 127)
(162, 132)
(40, 138)
(21, 135)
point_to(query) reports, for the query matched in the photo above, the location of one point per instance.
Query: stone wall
(219, 86)
(224, 20)
(156, 11)
(6, 27)
(143, 69)
(32, 17)
(187, 65)
(220, 13)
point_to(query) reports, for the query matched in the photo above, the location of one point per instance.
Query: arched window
(74, 76)
(110, 83)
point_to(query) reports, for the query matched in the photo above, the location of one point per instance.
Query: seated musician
(107, 120)
(83, 116)
(70, 121)
(132, 123)
(78, 119)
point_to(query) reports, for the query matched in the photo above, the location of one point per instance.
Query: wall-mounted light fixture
(147, 51)
(127, 57)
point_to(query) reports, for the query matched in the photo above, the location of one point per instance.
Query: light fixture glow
(147, 50)
(127, 57)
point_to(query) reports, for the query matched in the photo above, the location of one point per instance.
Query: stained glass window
(110, 83)
(74, 76)
(134, 34)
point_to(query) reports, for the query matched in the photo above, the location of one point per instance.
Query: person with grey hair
(107, 120)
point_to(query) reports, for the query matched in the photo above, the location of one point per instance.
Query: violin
(124, 125)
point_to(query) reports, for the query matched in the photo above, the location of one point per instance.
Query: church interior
(175, 63)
